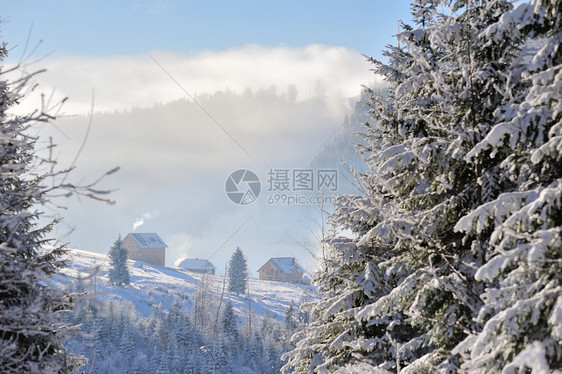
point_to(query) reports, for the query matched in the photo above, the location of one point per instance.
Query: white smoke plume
(140, 221)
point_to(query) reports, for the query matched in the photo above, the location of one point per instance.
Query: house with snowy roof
(196, 265)
(284, 269)
(146, 247)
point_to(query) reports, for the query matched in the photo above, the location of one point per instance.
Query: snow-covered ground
(153, 285)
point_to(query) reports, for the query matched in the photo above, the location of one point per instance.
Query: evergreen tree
(31, 329)
(454, 263)
(272, 359)
(229, 324)
(79, 286)
(520, 225)
(118, 273)
(290, 319)
(127, 346)
(223, 359)
(254, 353)
(237, 272)
(140, 365)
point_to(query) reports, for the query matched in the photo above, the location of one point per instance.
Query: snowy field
(153, 285)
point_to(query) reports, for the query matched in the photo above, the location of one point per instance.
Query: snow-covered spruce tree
(31, 330)
(289, 319)
(229, 325)
(521, 225)
(400, 295)
(118, 273)
(237, 272)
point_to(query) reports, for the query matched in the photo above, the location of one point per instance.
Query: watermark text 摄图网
(294, 180)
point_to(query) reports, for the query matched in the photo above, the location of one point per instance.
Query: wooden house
(284, 269)
(196, 265)
(146, 247)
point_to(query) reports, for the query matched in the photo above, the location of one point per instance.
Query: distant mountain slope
(341, 152)
(153, 285)
(171, 321)
(174, 161)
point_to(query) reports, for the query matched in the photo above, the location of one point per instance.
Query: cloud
(278, 104)
(162, 145)
(124, 82)
(174, 160)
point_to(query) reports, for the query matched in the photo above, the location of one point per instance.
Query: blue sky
(94, 28)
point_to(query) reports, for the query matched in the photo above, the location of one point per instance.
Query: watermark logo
(243, 186)
(285, 186)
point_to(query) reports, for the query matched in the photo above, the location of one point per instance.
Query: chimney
(293, 260)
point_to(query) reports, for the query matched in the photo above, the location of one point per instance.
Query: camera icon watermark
(243, 186)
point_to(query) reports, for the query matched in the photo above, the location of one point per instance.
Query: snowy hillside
(153, 285)
(168, 320)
